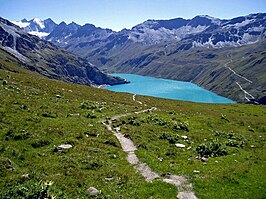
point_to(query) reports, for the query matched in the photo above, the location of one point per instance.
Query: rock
(203, 159)
(58, 96)
(93, 191)
(63, 147)
(180, 145)
(160, 159)
(25, 176)
(73, 115)
(4, 82)
(184, 137)
(109, 178)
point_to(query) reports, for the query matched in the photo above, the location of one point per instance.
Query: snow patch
(151, 36)
(21, 24)
(39, 23)
(239, 25)
(39, 34)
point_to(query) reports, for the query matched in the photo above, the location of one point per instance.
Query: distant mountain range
(45, 58)
(160, 48)
(203, 31)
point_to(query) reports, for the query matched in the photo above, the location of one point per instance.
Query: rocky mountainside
(45, 58)
(201, 31)
(181, 49)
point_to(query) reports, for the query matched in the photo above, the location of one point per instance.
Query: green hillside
(202, 66)
(38, 114)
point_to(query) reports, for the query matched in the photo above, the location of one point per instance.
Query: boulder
(93, 191)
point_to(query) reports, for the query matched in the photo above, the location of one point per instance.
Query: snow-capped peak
(21, 24)
(39, 22)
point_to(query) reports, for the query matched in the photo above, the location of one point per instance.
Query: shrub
(235, 143)
(29, 189)
(40, 143)
(156, 120)
(5, 165)
(92, 106)
(172, 139)
(49, 114)
(211, 149)
(91, 115)
(231, 135)
(133, 121)
(183, 126)
(12, 134)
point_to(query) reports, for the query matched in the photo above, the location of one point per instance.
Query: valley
(36, 119)
(193, 50)
(63, 136)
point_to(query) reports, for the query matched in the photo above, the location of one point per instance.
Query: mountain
(38, 27)
(79, 39)
(62, 32)
(201, 31)
(45, 58)
(195, 50)
(160, 47)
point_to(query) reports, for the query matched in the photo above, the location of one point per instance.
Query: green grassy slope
(33, 122)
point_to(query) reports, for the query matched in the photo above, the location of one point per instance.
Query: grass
(234, 135)
(38, 114)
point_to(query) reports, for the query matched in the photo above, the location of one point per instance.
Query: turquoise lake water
(164, 88)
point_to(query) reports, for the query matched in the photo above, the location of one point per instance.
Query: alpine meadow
(170, 108)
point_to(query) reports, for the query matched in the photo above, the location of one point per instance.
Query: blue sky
(119, 14)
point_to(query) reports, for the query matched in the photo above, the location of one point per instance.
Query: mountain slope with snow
(49, 60)
(161, 47)
(37, 27)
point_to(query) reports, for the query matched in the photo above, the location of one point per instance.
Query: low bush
(170, 137)
(40, 143)
(91, 115)
(211, 149)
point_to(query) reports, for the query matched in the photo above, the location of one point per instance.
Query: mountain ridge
(156, 47)
(49, 60)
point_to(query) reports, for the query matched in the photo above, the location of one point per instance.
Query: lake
(165, 88)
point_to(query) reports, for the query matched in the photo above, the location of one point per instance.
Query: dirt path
(240, 76)
(128, 146)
